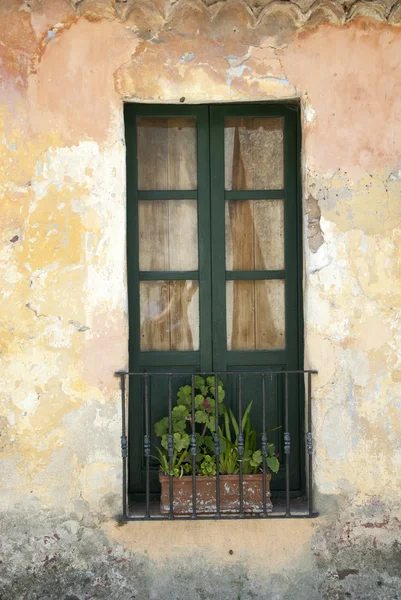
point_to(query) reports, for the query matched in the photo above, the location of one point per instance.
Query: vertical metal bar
(309, 446)
(240, 448)
(287, 448)
(264, 444)
(170, 445)
(124, 443)
(193, 448)
(217, 444)
(146, 445)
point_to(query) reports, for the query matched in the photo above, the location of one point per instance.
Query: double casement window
(214, 259)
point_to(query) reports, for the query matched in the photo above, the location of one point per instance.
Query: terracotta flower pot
(206, 494)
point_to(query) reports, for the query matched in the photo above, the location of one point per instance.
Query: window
(214, 256)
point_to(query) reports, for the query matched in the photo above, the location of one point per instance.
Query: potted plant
(205, 459)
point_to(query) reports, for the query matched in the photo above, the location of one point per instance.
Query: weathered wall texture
(65, 70)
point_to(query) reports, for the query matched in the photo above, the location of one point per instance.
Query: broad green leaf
(208, 466)
(179, 425)
(271, 450)
(184, 395)
(257, 458)
(184, 401)
(199, 440)
(210, 381)
(208, 443)
(199, 399)
(212, 423)
(187, 468)
(200, 384)
(161, 427)
(180, 412)
(273, 463)
(199, 381)
(201, 416)
(181, 441)
(212, 402)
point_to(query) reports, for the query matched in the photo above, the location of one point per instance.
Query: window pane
(254, 235)
(169, 315)
(168, 235)
(166, 154)
(255, 315)
(254, 154)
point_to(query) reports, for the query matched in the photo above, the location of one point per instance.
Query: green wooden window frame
(211, 274)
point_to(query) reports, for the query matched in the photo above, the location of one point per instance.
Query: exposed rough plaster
(315, 235)
(302, 13)
(73, 555)
(78, 326)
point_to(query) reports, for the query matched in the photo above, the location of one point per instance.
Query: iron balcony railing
(137, 410)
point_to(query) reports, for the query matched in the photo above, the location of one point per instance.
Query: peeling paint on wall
(66, 68)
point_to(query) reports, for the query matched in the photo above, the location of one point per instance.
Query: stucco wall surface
(65, 69)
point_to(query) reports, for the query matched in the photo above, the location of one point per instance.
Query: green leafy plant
(252, 458)
(205, 423)
(181, 427)
(208, 465)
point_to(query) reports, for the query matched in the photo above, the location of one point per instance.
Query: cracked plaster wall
(65, 69)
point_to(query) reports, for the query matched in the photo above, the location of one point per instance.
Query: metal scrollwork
(287, 443)
(309, 443)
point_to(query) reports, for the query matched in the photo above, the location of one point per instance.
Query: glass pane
(255, 315)
(254, 235)
(166, 154)
(254, 154)
(168, 235)
(169, 315)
